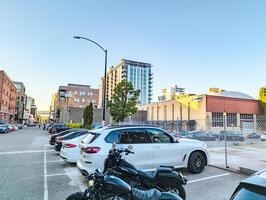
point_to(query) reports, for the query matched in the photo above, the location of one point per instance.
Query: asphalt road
(31, 170)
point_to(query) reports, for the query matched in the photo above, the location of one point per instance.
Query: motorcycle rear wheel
(179, 190)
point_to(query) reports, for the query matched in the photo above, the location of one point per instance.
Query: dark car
(253, 187)
(54, 136)
(4, 129)
(254, 136)
(202, 136)
(58, 141)
(58, 128)
(20, 126)
(231, 136)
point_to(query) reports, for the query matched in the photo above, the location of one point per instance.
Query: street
(32, 170)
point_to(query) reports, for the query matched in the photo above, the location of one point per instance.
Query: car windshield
(244, 194)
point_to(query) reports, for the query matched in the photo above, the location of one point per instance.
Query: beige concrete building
(208, 112)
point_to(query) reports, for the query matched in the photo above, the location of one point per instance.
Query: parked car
(253, 136)
(4, 129)
(70, 150)
(54, 136)
(253, 187)
(153, 147)
(58, 128)
(231, 136)
(202, 136)
(263, 137)
(58, 141)
(20, 126)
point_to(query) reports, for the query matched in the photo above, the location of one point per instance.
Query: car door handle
(157, 147)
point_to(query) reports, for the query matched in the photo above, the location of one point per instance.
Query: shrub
(74, 125)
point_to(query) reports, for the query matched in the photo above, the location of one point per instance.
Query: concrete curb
(247, 171)
(242, 170)
(226, 169)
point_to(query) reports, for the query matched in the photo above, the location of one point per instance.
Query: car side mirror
(174, 140)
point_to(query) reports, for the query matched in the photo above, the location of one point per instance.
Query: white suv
(153, 147)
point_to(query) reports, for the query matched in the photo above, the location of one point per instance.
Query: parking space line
(59, 174)
(45, 195)
(207, 178)
(54, 161)
(26, 151)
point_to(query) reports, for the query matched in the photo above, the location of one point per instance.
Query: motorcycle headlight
(90, 183)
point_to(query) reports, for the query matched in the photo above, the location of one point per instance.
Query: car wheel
(76, 196)
(196, 163)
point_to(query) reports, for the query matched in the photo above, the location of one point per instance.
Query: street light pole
(105, 71)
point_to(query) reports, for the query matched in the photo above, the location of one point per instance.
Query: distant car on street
(252, 188)
(253, 136)
(199, 135)
(230, 136)
(263, 137)
(20, 126)
(4, 129)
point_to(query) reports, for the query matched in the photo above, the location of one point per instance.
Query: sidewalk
(251, 157)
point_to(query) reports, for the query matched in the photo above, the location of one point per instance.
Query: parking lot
(32, 170)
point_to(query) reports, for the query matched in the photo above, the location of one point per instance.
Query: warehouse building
(208, 112)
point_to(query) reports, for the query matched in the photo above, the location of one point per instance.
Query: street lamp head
(77, 37)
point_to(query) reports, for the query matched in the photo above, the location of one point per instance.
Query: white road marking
(59, 174)
(22, 152)
(207, 178)
(45, 195)
(54, 161)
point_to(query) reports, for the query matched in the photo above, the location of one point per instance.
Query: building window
(246, 116)
(83, 100)
(217, 119)
(76, 92)
(231, 119)
(77, 100)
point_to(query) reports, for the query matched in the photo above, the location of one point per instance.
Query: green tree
(58, 112)
(123, 102)
(88, 116)
(262, 98)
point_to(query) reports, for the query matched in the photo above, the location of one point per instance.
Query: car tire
(197, 162)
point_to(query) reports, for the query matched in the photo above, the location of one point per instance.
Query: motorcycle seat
(153, 176)
(152, 194)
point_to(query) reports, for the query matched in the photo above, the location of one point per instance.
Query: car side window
(158, 136)
(138, 136)
(124, 138)
(113, 137)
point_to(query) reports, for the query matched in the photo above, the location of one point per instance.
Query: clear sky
(195, 44)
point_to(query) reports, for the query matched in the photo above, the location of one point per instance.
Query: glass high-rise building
(138, 73)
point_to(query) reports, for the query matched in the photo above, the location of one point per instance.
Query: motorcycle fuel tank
(127, 169)
(116, 185)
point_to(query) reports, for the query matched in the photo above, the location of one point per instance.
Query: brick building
(7, 98)
(75, 96)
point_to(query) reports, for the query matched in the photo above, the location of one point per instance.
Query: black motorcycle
(165, 178)
(103, 187)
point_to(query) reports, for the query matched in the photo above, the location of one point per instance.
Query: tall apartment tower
(138, 73)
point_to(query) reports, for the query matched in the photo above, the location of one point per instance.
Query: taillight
(91, 149)
(70, 145)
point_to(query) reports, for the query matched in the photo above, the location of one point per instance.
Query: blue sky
(191, 43)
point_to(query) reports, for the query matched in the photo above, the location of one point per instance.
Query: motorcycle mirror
(113, 145)
(99, 170)
(130, 147)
